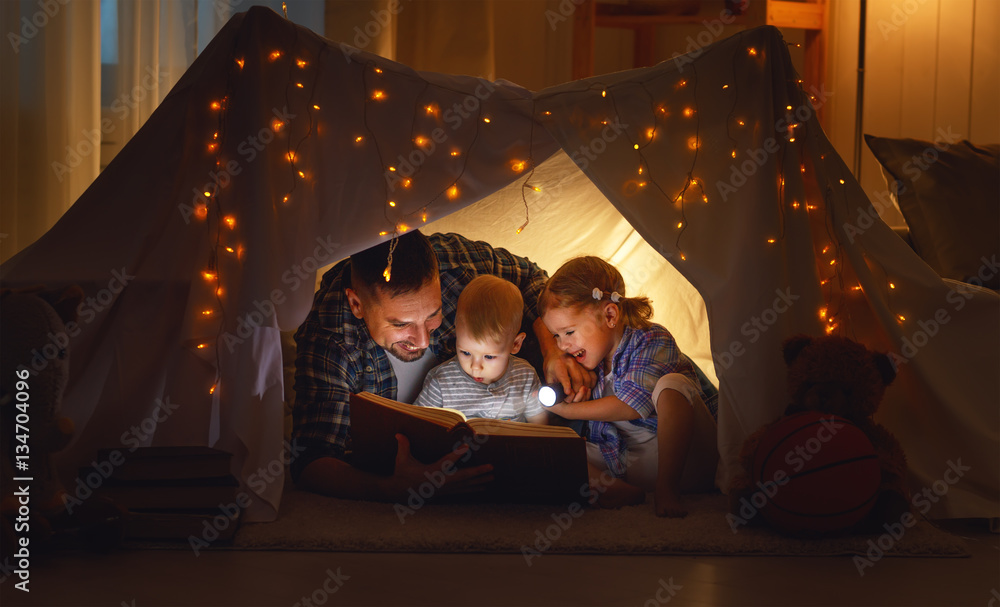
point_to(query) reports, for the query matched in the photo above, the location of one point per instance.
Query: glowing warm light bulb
(392, 203)
(276, 125)
(215, 135)
(486, 119)
(423, 217)
(201, 211)
(825, 249)
(300, 62)
(517, 165)
(302, 175)
(378, 95)
(240, 62)
(733, 154)
(383, 233)
(640, 169)
(829, 328)
(230, 221)
(771, 241)
(802, 168)
(315, 106)
(215, 105)
(392, 169)
(455, 152)
(841, 182)
(378, 70)
(649, 133)
(201, 346)
(833, 262)
(208, 194)
(453, 192)
(208, 275)
(725, 86)
(636, 146)
(407, 182)
(741, 123)
(387, 273)
(359, 139)
(752, 51)
(290, 156)
(683, 257)
(431, 109)
(604, 93)
(536, 188)
(206, 312)
(692, 143)
(822, 313)
(662, 109)
(892, 285)
(682, 83)
(230, 250)
(546, 113)
(788, 107)
(420, 140)
(795, 204)
(300, 85)
(900, 317)
(285, 199)
(274, 55)
(403, 227)
(704, 198)
(856, 288)
(219, 291)
(680, 224)
(688, 112)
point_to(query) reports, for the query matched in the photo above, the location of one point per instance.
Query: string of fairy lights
(666, 126)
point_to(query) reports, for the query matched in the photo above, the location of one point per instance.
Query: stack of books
(169, 492)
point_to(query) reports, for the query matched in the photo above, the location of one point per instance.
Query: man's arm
(336, 478)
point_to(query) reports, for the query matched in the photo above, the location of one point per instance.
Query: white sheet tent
(274, 154)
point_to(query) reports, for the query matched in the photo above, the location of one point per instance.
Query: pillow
(949, 195)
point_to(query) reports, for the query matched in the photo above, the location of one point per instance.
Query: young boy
(484, 379)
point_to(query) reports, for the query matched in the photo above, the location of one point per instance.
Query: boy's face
(484, 360)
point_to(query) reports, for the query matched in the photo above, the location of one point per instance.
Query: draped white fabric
(227, 270)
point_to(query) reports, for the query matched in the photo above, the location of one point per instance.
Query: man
(379, 322)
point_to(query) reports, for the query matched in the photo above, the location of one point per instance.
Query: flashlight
(551, 394)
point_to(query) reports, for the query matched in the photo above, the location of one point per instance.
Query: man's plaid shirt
(642, 358)
(336, 356)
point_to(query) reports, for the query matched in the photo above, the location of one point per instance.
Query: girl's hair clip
(615, 296)
(598, 294)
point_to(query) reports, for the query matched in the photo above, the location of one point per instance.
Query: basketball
(815, 473)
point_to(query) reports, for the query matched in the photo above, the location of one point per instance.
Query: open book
(531, 462)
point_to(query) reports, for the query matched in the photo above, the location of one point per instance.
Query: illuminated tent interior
(712, 188)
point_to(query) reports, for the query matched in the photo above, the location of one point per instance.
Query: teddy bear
(34, 370)
(839, 376)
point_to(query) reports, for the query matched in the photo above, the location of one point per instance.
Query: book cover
(531, 462)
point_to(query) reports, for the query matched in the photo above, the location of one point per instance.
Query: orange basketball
(817, 472)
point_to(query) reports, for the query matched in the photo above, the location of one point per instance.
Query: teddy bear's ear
(794, 345)
(64, 302)
(885, 367)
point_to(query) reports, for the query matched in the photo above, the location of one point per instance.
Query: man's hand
(576, 380)
(444, 475)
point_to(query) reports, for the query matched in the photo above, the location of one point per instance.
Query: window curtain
(49, 114)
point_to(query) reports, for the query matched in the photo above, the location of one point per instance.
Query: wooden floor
(177, 577)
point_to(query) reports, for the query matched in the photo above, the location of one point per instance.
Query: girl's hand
(576, 380)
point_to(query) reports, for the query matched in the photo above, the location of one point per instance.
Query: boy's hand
(576, 380)
(444, 475)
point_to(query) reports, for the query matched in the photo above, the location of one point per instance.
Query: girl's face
(583, 333)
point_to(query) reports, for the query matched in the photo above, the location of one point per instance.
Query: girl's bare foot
(668, 503)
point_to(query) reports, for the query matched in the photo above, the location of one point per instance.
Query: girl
(652, 411)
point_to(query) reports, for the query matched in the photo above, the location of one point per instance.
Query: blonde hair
(575, 284)
(491, 308)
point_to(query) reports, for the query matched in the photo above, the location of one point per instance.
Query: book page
(484, 425)
(438, 415)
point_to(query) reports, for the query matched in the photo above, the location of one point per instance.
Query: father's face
(402, 325)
